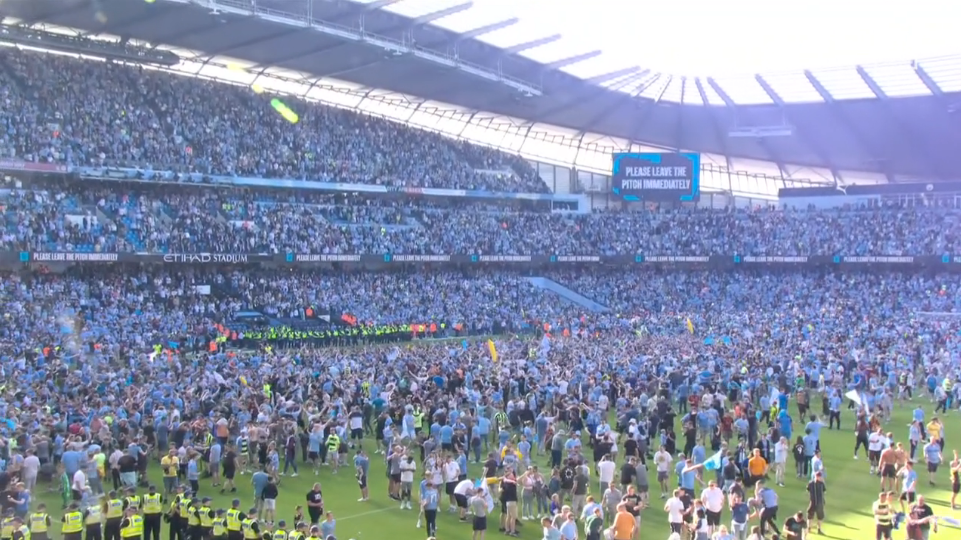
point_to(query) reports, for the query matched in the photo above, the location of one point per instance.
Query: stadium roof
(530, 60)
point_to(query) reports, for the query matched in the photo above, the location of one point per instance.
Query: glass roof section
(734, 41)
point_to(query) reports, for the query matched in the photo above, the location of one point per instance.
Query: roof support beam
(872, 84)
(769, 90)
(379, 4)
(487, 29)
(571, 60)
(721, 139)
(825, 95)
(812, 143)
(906, 132)
(679, 127)
(669, 82)
(533, 44)
(720, 92)
(588, 94)
(440, 14)
(926, 79)
(882, 160)
(604, 77)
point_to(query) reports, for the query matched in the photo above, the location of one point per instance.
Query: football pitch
(851, 490)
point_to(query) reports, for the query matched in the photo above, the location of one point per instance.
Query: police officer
(20, 531)
(113, 511)
(132, 500)
(235, 519)
(72, 528)
(250, 527)
(206, 515)
(219, 529)
(40, 523)
(152, 511)
(281, 532)
(183, 515)
(131, 527)
(6, 525)
(193, 519)
(173, 515)
(93, 522)
(299, 533)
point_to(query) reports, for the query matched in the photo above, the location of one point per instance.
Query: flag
(493, 350)
(853, 396)
(713, 463)
(690, 325)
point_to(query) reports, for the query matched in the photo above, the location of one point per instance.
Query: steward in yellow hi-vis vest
(153, 509)
(39, 523)
(72, 528)
(20, 530)
(219, 529)
(132, 525)
(113, 511)
(93, 522)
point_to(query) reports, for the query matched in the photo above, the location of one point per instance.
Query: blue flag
(713, 463)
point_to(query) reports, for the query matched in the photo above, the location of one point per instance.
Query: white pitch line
(362, 514)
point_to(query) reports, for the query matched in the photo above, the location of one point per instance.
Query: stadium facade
(757, 135)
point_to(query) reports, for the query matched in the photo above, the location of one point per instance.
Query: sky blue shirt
(430, 499)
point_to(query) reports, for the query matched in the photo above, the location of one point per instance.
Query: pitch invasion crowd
(106, 217)
(81, 341)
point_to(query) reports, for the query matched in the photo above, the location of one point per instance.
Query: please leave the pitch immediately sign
(657, 177)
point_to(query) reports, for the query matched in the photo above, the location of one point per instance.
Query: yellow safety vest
(295, 535)
(151, 503)
(24, 532)
(133, 501)
(233, 520)
(134, 528)
(206, 520)
(72, 522)
(6, 528)
(114, 509)
(192, 518)
(280, 535)
(94, 515)
(248, 527)
(183, 507)
(38, 522)
(220, 527)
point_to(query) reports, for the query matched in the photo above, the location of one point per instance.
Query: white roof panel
(946, 72)
(655, 90)
(743, 90)
(673, 92)
(793, 87)
(897, 80)
(844, 83)
(691, 95)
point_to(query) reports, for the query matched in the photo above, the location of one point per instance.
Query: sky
(711, 37)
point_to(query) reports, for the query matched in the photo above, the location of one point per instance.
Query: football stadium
(451, 269)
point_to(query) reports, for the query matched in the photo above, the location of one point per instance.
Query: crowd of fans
(130, 116)
(108, 218)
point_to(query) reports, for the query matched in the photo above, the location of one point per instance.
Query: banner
(656, 177)
(298, 259)
(9, 164)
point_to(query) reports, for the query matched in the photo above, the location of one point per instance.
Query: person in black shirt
(794, 527)
(490, 467)
(688, 501)
(229, 465)
(816, 490)
(633, 501)
(628, 473)
(921, 520)
(315, 504)
(568, 472)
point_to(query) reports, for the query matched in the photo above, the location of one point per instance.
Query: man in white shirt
(462, 493)
(875, 446)
(407, 468)
(713, 499)
(79, 484)
(781, 451)
(451, 477)
(605, 471)
(675, 508)
(662, 461)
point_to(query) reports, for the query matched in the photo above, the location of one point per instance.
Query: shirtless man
(888, 466)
